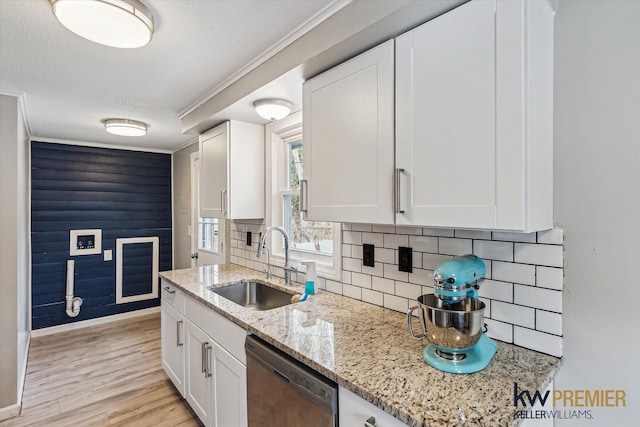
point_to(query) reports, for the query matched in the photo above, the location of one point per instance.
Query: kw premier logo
(572, 399)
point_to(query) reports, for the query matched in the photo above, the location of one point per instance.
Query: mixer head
(458, 278)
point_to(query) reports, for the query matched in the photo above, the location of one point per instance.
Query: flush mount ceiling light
(125, 127)
(273, 109)
(116, 23)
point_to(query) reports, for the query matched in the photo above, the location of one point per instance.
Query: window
(315, 240)
(306, 236)
(208, 234)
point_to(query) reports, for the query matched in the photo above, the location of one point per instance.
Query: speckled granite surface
(368, 350)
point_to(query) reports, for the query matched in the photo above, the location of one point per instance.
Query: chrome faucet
(287, 268)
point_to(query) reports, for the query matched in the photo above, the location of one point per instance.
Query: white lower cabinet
(172, 343)
(208, 366)
(355, 411)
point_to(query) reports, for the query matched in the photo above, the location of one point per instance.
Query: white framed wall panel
(120, 243)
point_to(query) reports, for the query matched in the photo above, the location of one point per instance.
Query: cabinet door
(348, 140)
(230, 390)
(474, 118)
(172, 340)
(213, 176)
(199, 372)
(446, 120)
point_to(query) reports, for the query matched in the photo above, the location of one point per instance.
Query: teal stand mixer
(452, 318)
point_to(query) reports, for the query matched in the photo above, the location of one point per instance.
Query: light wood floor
(107, 375)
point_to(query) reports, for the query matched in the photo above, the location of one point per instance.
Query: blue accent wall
(124, 193)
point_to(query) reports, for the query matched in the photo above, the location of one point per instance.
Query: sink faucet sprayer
(287, 268)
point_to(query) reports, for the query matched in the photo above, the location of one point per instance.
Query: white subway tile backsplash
(421, 277)
(381, 284)
(393, 241)
(408, 290)
(352, 264)
(352, 237)
(473, 234)
(549, 255)
(424, 243)
(430, 261)
(361, 280)
(499, 330)
(373, 297)
(396, 303)
(333, 286)
(531, 296)
(451, 246)
(522, 293)
(555, 236)
(386, 256)
(361, 227)
(515, 273)
(375, 239)
(401, 229)
(539, 341)
(515, 314)
(549, 277)
(501, 291)
(514, 237)
(376, 270)
(391, 272)
(351, 291)
(378, 228)
(438, 232)
(488, 249)
(549, 322)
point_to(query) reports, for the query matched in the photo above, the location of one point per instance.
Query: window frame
(278, 135)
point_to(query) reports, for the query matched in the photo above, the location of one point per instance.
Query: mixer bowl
(456, 326)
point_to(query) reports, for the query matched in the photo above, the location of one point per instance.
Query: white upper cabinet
(231, 171)
(348, 140)
(474, 114)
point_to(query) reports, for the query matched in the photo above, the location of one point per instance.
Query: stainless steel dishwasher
(282, 392)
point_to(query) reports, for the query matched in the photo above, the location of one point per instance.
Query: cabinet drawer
(226, 333)
(173, 296)
(354, 411)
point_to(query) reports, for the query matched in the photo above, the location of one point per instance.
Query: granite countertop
(368, 350)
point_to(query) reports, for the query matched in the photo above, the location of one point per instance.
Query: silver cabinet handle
(169, 290)
(178, 327)
(371, 422)
(223, 202)
(203, 355)
(303, 196)
(397, 182)
(208, 350)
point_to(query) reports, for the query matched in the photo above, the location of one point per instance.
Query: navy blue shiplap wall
(124, 193)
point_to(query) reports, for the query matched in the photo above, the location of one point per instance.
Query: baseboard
(10, 411)
(93, 322)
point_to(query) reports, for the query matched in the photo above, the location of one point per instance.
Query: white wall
(597, 199)
(14, 254)
(182, 206)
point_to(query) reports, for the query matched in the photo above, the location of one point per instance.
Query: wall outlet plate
(368, 255)
(248, 238)
(405, 259)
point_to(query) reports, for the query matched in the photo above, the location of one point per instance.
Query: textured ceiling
(71, 84)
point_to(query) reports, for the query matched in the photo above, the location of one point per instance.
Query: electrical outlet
(405, 259)
(248, 238)
(368, 255)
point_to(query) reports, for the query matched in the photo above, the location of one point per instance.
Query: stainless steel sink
(253, 295)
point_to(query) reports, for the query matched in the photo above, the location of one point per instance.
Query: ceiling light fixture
(116, 23)
(125, 127)
(273, 109)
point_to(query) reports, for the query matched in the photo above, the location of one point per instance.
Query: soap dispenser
(310, 280)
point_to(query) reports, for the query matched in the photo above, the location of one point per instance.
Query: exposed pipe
(73, 303)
